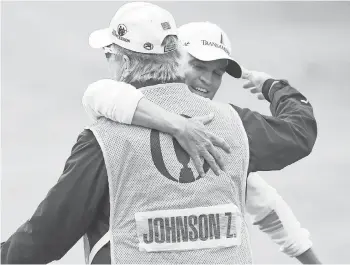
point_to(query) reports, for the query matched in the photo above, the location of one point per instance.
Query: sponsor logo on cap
(166, 25)
(216, 45)
(222, 39)
(121, 31)
(148, 46)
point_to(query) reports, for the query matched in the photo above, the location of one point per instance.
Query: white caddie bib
(162, 210)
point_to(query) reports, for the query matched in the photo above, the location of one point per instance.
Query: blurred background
(46, 64)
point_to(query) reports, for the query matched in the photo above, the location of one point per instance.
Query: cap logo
(222, 39)
(211, 43)
(166, 25)
(122, 30)
(148, 46)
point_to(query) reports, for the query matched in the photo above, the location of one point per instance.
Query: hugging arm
(123, 103)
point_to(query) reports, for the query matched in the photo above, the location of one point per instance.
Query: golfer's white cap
(139, 27)
(208, 42)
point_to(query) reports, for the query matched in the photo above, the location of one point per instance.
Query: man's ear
(126, 64)
(126, 68)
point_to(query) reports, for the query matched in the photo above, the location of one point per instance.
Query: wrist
(150, 115)
(176, 124)
(266, 89)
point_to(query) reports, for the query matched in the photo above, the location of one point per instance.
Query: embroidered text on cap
(220, 46)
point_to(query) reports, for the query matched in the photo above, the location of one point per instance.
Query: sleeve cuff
(128, 105)
(266, 88)
(270, 87)
(296, 249)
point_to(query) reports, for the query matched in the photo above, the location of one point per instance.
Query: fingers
(248, 84)
(219, 142)
(245, 73)
(261, 96)
(199, 166)
(218, 158)
(211, 161)
(254, 90)
(205, 119)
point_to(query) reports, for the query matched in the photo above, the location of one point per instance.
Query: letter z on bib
(189, 229)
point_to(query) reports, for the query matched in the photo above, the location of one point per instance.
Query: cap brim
(209, 53)
(100, 38)
(233, 68)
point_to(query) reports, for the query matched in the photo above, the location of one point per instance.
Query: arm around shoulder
(111, 99)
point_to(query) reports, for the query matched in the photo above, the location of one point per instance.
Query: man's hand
(255, 81)
(199, 143)
(308, 257)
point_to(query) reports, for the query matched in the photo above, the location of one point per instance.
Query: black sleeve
(278, 141)
(63, 217)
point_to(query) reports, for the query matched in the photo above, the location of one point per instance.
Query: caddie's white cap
(139, 27)
(208, 42)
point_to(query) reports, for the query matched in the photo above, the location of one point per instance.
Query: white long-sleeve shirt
(118, 101)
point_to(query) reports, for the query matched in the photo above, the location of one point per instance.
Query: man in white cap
(266, 207)
(160, 209)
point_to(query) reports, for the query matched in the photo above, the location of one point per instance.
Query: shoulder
(86, 144)
(103, 83)
(86, 136)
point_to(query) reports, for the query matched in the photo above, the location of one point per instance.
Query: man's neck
(153, 82)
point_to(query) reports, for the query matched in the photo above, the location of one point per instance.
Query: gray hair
(164, 68)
